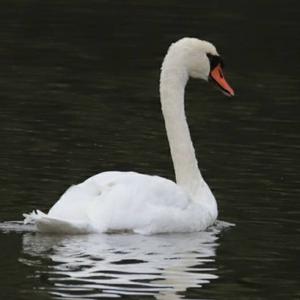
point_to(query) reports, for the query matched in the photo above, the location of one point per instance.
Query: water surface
(79, 95)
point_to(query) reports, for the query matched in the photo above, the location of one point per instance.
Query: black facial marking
(215, 60)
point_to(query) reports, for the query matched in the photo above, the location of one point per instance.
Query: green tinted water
(79, 95)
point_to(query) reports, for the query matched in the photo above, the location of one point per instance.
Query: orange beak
(217, 76)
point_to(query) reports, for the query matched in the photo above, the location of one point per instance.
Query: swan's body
(118, 201)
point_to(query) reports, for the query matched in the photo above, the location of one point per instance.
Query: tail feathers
(33, 217)
(45, 223)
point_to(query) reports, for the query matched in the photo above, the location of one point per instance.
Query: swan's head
(201, 60)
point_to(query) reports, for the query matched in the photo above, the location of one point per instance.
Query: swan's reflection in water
(109, 266)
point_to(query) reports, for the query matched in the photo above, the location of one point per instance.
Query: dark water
(79, 95)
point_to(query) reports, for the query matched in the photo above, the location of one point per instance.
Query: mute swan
(129, 201)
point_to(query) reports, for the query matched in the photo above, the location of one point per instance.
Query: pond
(79, 95)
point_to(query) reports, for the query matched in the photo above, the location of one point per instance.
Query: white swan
(117, 201)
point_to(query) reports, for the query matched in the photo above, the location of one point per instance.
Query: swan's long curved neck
(172, 87)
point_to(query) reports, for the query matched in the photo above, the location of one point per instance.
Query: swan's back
(114, 201)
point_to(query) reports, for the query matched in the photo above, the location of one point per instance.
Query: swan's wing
(118, 201)
(113, 201)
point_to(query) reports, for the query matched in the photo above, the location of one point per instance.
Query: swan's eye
(215, 60)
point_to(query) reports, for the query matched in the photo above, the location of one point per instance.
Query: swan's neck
(172, 86)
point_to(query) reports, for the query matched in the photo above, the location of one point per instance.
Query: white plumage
(129, 201)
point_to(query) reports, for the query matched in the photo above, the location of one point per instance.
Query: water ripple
(114, 265)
